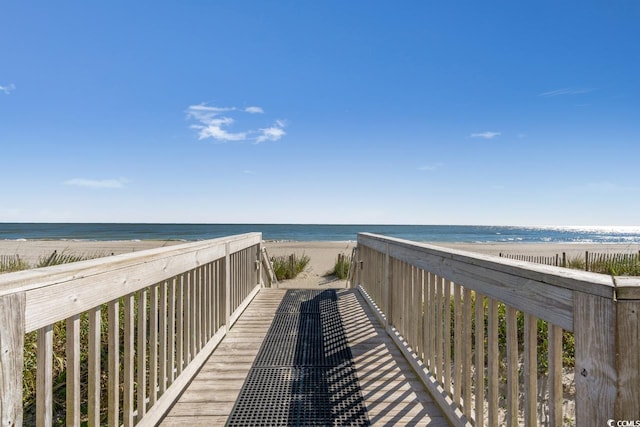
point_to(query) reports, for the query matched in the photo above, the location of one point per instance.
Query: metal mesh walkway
(304, 373)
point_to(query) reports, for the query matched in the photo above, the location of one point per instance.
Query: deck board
(392, 392)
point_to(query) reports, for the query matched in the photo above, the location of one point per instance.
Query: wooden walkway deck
(392, 393)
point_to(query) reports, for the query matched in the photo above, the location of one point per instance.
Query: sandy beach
(322, 254)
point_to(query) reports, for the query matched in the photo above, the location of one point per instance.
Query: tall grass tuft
(341, 267)
(288, 267)
(63, 258)
(10, 263)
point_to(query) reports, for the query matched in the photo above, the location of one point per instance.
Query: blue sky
(412, 112)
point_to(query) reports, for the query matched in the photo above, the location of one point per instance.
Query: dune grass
(11, 263)
(288, 267)
(341, 267)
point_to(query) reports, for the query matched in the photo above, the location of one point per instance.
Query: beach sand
(322, 255)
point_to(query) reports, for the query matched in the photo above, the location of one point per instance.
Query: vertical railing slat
(479, 352)
(447, 336)
(555, 376)
(44, 381)
(172, 299)
(163, 344)
(93, 403)
(467, 352)
(153, 344)
(439, 323)
(73, 370)
(141, 354)
(530, 370)
(193, 315)
(493, 355)
(113, 368)
(186, 321)
(457, 345)
(128, 406)
(512, 367)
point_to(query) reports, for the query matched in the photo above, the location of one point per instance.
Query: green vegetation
(341, 267)
(288, 267)
(15, 263)
(568, 342)
(10, 263)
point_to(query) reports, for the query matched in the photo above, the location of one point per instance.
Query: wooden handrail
(411, 285)
(176, 305)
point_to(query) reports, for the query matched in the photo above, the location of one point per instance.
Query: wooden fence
(149, 319)
(471, 326)
(591, 261)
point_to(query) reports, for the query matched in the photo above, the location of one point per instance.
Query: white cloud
(215, 123)
(486, 135)
(8, 89)
(272, 133)
(97, 183)
(564, 91)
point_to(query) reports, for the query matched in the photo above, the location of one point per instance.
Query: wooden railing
(149, 320)
(433, 300)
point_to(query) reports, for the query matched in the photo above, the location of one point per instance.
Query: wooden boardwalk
(392, 393)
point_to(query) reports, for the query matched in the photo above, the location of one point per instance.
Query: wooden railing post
(628, 348)
(12, 329)
(608, 355)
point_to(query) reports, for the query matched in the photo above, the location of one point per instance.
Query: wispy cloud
(272, 133)
(8, 89)
(216, 122)
(605, 187)
(565, 91)
(431, 168)
(485, 135)
(97, 183)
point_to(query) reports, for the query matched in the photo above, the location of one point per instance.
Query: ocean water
(319, 232)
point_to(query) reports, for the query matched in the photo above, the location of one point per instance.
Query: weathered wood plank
(44, 381)
(141, 355)
(128, 406)
(493, 360)
(480, 353)
(555, 376)
(78, 287)
(12, 316)
(530, 370)
(540, 290)
(628, 351)
(595, 336)
(113, 385)
(439, 260)
(512, 367)
(93, 377)
(73, 370)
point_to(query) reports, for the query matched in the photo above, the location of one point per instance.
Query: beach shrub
(341, 267)
(288, 267)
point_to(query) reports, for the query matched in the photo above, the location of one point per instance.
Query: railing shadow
(326, 389)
